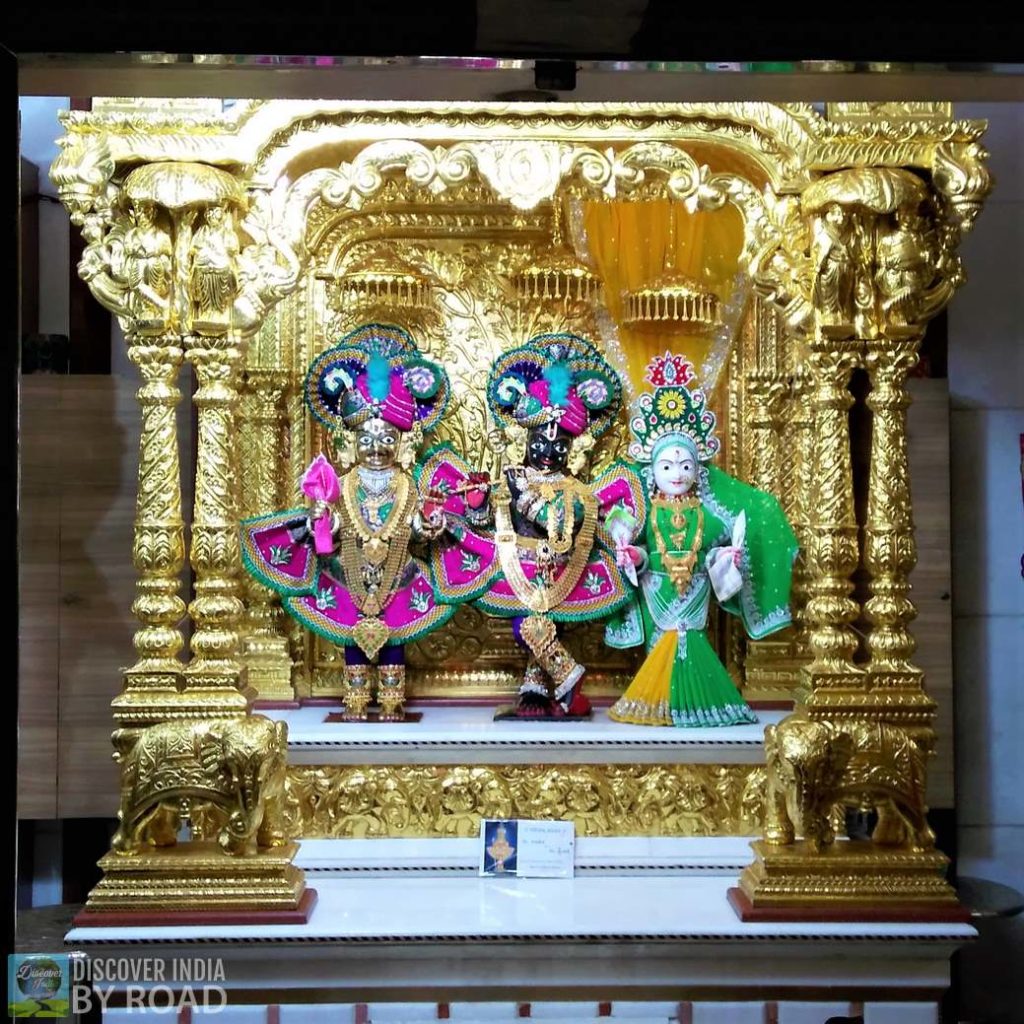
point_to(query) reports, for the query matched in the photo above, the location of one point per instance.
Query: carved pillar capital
(767, 391)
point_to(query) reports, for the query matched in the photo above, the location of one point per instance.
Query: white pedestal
(469, 735)
(639, 947)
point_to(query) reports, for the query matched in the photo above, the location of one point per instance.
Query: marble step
(469, 735)
(483, 911)
(595, 855)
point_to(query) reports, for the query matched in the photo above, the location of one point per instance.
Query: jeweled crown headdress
(672, 409)
(376, 371)
(555, 378)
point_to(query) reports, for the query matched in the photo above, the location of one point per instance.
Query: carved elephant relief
(236, 766)
(813, 766)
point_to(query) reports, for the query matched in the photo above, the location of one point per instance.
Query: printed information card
(527, 849)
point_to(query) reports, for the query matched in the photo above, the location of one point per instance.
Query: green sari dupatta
(769, 550)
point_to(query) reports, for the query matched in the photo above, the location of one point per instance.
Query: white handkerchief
(725, 576)
(739, 530)
(622, 527)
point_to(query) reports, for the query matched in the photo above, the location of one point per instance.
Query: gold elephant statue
(236, 766)
(813, 766)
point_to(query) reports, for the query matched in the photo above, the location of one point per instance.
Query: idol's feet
(573, 705)
(358, 679)
(527, 706)
(569, 701)
(391, 692)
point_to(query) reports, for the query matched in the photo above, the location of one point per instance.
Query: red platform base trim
(276, 705)
(869, 913)
(191, 918)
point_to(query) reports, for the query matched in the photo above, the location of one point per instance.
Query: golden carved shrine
(786, 252)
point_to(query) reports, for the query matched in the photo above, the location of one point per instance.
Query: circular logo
(38, 978)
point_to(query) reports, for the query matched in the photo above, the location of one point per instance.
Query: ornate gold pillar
(261, 418)
(769, 668)
(890, 552)
(158, 551)
(832, 552)
(168, 266)
(882, 261)
(214, 676)
(766, 393)
(799, 447)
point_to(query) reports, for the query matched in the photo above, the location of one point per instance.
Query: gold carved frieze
(380, 801)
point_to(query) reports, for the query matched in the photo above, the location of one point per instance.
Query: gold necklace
(373, 558)
(534, 595)
(559, 541)
(679, 567)
(374, 539)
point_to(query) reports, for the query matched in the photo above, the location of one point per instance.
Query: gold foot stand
(849, 881)
(197, 883)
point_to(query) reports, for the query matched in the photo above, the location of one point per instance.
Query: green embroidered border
(342, 635)
(255, 564)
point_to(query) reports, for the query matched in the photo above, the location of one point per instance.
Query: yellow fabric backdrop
(627, 242)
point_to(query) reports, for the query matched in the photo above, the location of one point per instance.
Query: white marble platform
(607, 855)
(469, 735)
(481, 910)
(482, 942)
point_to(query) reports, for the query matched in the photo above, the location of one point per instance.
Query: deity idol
(706, 531)
(535, 546)
(344, 568)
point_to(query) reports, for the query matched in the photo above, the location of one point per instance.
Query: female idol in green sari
(706, 533)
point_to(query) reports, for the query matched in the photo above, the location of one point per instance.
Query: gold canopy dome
(557, 274)
(176, 186)
(388, 280)
(673, 297)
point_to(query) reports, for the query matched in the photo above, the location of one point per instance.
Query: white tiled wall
(811, 1013)
(986, 370)
(736, 1013)
(901, 1013)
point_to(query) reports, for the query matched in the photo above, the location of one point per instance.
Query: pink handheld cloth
(321, 483)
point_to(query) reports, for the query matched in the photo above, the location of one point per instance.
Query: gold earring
(514, 450)
(580, 453)
(345, 449)
(408, 447)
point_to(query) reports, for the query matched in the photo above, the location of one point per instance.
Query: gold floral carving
(335, 801)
